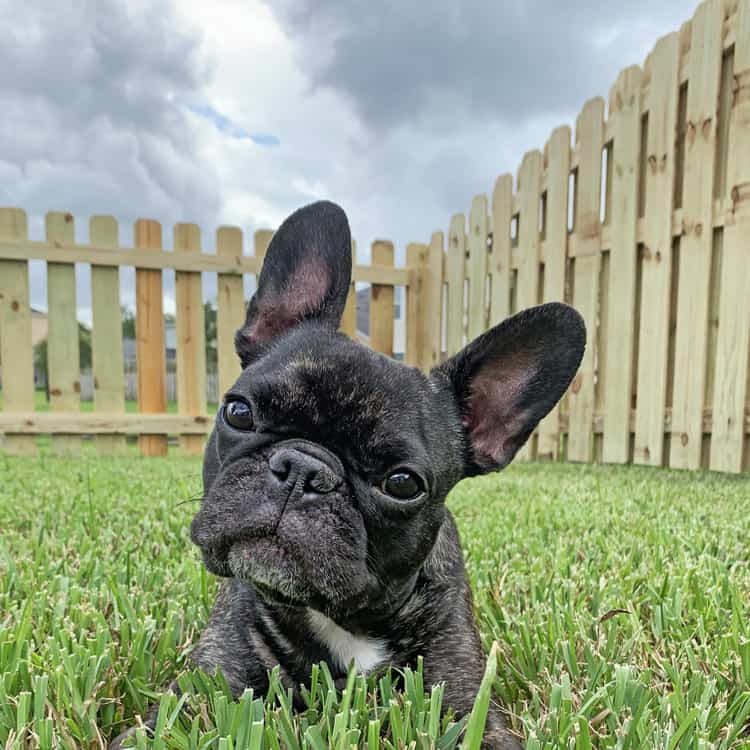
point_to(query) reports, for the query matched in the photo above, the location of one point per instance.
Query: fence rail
(639, 217)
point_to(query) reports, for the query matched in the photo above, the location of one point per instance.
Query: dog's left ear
(510, 377)
(305, 276)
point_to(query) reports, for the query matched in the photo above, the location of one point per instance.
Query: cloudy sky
(239, 111)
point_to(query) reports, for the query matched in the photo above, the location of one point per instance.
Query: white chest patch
(344, 646)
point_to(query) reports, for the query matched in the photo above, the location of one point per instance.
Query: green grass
(618, 599)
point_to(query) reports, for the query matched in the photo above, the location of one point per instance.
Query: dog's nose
(298, 470)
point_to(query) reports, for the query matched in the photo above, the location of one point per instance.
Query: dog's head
(326, 473)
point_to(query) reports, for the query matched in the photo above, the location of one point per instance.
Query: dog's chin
(271, 569)
(276, 571)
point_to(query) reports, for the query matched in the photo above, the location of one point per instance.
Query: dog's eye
(239, 415)
(403, 484)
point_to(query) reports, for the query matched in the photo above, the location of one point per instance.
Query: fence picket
(555, 254)
(381, 303)
(349, 318)
(149, 334)
(477, 266)
(529, 238)
(625, 116)
(663, 67)
(432, 290)
(261, 241)
(586, 272)
(63, 353)
(16, 353)
(230, 309)
(729, 443)
(500, 266)
(106, 335)
(696, 243)
(455, 264)
(529, 248)
(191, 338)
(416, 322)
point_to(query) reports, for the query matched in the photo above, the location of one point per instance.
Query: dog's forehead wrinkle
(306, 362)
(345, 376)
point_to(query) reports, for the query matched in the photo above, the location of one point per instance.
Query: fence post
(63, 354)
(191, 337)
(106, 335)
(16, 353)
(149, 327)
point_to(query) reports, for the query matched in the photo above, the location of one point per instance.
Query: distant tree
(128, 322)
(210, 323)
(84, 353)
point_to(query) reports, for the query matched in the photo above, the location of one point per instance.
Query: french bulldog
(326, 474)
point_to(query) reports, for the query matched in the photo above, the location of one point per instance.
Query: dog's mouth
(269, 565)
(290, 550)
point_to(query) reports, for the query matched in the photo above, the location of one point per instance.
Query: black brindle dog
(326, 474)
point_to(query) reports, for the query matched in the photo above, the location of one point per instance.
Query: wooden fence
(109, 422)
(643, 224)
(641, 221)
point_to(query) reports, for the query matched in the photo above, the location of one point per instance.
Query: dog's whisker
(196, 499)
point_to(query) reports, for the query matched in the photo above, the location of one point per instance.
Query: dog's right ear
(305, 276)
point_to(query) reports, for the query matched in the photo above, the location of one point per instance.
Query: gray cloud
(91, 122)
(449, 95)
(442, 63)
(400, 111)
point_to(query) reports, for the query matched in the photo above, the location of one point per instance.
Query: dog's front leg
(459, 663)
(219, 648)
(148, 722)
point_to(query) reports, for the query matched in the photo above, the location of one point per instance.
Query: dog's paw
(498, 737)
(504, 741)
(121, 741)
(118, 743)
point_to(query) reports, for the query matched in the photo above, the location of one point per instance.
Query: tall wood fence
(640, 219)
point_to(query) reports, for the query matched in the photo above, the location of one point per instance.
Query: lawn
(618, 597)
